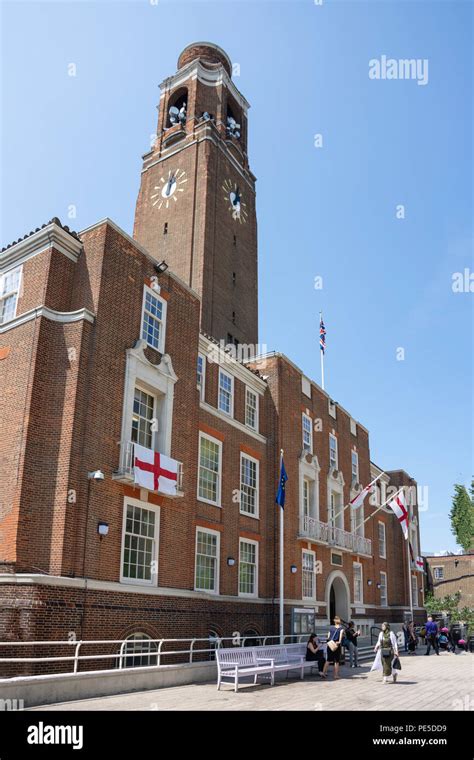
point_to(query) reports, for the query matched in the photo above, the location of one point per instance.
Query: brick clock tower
(196, 204)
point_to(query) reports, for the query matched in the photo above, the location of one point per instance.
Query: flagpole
(409, 577)
(322, 354)
(282, 584)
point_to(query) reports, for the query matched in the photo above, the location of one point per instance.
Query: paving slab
(424, 683)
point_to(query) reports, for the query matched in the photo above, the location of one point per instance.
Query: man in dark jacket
(351, 637)
(431, 636)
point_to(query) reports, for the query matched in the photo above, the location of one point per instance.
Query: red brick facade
(71, 359)
(451, 574)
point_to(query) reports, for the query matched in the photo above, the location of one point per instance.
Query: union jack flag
(322, 335)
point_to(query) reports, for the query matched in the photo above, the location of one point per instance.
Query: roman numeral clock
(169, 188)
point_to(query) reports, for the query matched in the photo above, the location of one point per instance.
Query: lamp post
(99, 477)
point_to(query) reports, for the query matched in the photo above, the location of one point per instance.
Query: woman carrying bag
(335, 636)
(386, 652)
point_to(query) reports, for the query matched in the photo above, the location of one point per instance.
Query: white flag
(398, 506)
(155, 471)
(358, 500)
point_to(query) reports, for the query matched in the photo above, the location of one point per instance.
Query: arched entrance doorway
(337, 596)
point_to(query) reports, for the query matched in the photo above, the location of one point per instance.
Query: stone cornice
(211, 78)
(168, 153)
(66, 317)
(52, 236)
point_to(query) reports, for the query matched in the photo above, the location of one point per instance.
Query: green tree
(462, 516)
(450, 605)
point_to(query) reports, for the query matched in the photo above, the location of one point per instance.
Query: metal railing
(334, 536)
(127, 459)
(374, 631)
(120, 657)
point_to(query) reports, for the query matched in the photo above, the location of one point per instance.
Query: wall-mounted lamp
(161, 267)
(102, 529)
(230, 561)
(369, 582)
(378, 585)
(294, 569)
(96, 475)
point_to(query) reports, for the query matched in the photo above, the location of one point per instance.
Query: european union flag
(280, 497)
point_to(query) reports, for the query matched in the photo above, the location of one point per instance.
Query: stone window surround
(127, 500)
(246, 540)
(361, 600)
(219, 443)
(314, 597)
(382, 572)
(256, 516)
(158, 380)
(201, 529)
(309, 471)
(336, 485)
(155, 292)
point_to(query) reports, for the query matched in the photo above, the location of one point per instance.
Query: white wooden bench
(234, 663)
(286, 658)
(238, 662)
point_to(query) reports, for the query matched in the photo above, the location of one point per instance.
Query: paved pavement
(424, 683)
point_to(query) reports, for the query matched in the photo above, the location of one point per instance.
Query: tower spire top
(208, 53)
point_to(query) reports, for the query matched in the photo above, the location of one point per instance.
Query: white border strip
(65, 317)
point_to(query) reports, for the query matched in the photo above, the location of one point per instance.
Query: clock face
(236, 205)
(169, 188)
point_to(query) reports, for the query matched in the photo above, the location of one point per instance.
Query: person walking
(386, 650)
(451, 643)
(412, 638)
(351, 643)
(431, 636)
(455, 632)
(423, 635)
(315, 653)
(335, 635)
(406, 635)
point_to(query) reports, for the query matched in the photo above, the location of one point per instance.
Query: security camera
(96, 475)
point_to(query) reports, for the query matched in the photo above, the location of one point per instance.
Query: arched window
(233, 121)
(251, 638)
(143, 649)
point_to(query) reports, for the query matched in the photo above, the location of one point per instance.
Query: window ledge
(247, 514)
(232, 421)
(206, 501)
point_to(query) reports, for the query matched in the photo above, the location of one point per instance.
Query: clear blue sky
(329, 211)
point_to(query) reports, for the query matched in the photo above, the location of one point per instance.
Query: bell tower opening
(197, 185)
(177, 108)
